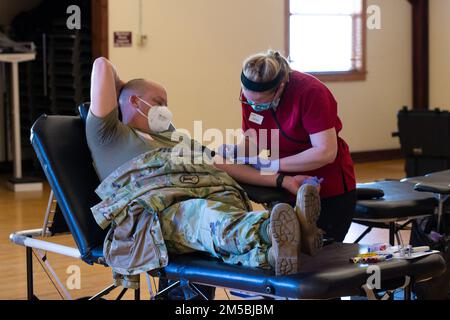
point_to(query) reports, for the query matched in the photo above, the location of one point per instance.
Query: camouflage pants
(211, 226)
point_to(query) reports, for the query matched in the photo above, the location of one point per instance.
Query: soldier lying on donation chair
(157, 203)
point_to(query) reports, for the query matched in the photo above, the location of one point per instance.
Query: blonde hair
(265, 66)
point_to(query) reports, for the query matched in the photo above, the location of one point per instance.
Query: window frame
(358, 74)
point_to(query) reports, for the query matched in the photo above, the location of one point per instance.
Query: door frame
(99, 23)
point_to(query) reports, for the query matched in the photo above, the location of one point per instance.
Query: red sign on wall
(123, 39)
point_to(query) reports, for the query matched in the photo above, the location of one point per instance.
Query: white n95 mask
(159, 117)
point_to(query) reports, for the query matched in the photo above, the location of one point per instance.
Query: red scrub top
(306, 107)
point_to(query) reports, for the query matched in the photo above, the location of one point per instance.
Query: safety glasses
(256, 106)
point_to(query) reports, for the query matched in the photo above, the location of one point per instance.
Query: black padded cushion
(439, 176)
(267, 195)
(83, 110)
(274, 195)
(433, 187)
(369, 193)
(436, 182)
(60, 144)
(328, 275)
(400, 200)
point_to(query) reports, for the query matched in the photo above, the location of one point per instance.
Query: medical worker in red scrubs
(303, 109)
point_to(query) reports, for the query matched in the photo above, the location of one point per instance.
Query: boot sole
(286, 239)
(308, 211)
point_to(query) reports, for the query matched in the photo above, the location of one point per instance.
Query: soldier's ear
(133, 100)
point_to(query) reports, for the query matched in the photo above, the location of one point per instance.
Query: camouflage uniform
(155, 203)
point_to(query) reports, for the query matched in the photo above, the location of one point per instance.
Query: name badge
(256, 118)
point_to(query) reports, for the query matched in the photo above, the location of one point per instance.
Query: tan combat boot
(284, 255)
(307, 209)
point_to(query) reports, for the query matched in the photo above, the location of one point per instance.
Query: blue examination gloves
(313, 181)
(272, 167)
(230, 152)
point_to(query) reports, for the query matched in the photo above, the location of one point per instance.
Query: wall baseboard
(376, 155)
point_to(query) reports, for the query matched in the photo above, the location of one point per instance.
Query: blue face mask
(260, 107)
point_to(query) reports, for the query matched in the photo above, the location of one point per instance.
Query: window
(326, 38)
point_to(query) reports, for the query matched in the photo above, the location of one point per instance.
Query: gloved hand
(293, 183)
(266, 165)
(313, 181)
(230, 152)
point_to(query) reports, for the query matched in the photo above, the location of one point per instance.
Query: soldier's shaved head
(150, 91)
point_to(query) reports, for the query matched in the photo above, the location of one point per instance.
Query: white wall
(196, 49)
(440, 54)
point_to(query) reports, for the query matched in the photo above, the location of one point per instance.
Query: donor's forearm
(247, 174)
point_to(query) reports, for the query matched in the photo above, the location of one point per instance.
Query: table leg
(16, 121)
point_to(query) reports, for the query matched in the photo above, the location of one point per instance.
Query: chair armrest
(437, 188)
(267, 194)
